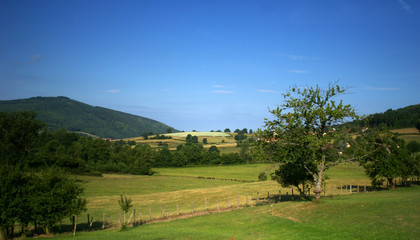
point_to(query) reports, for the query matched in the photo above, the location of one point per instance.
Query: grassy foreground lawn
(393, 214)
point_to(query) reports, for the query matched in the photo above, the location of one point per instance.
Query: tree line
(31, 194)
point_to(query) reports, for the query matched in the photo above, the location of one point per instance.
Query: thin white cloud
(219, 86)
(405, 5)
(113, 91)
(299, 71)
(298, 57)
(268, 91)
(222, 91)
(381, 89)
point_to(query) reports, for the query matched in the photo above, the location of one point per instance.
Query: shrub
(262, 176)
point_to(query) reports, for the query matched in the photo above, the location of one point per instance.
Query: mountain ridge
(63, 112)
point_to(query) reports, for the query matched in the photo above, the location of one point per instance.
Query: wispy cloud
(222, 91)
(381, 89)
(268, 91)
(405, 5)
(221, 86)
(113, 91)
(299, 71)
(298, 57)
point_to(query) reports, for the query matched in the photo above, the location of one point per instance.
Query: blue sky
(209, 65)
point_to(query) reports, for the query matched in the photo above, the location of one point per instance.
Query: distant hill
(406, 117)
(63, 112)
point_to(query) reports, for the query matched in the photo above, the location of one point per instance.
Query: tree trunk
(318, 179)
(391, 183)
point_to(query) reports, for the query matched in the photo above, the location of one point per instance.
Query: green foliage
(62, 112)
(413, 146)
(124, 203)
(262, 176)
(205, 141)
(387, 157)
(302, 130)
(294, 174)
(240, 136)
(406, 117)
(55, 197)
(45, 196)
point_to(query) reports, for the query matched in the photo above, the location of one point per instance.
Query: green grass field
(348, 216)
(180, 186)
(393, 214)
(241, 172)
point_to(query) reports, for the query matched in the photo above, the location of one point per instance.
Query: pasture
(393, 214)
(176, 191)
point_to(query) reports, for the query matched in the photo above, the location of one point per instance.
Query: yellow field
(224, 141)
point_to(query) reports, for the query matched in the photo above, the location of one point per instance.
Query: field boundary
(210, 178)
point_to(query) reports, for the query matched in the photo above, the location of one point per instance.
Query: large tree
(303, 130)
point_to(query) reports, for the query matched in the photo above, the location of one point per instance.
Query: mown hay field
(183, 187)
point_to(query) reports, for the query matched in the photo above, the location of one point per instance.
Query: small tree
(56, 197)
(204, 140)
(388, 157)
(125, 205)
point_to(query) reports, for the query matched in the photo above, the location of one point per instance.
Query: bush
(262, 176)
(413, 146)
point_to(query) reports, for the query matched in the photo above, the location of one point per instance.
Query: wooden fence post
(293, 195)
(268, 196)
(120, 220)
(228, 202)
(247, 203)
(177, 209)
(218, 203)
(192, 206)
(163, 210)
(140, 218)
(279, 195)
(258, 196)
(350, 189)
(103, 221)
(238, 200)
(205, 202)
(134, 217)
(150, 214)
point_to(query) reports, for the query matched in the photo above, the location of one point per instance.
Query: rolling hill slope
(63, 112)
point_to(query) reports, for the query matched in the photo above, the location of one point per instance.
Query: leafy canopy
(302, 130)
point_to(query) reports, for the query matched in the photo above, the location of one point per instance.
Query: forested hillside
(407, 117)
(63, 112)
